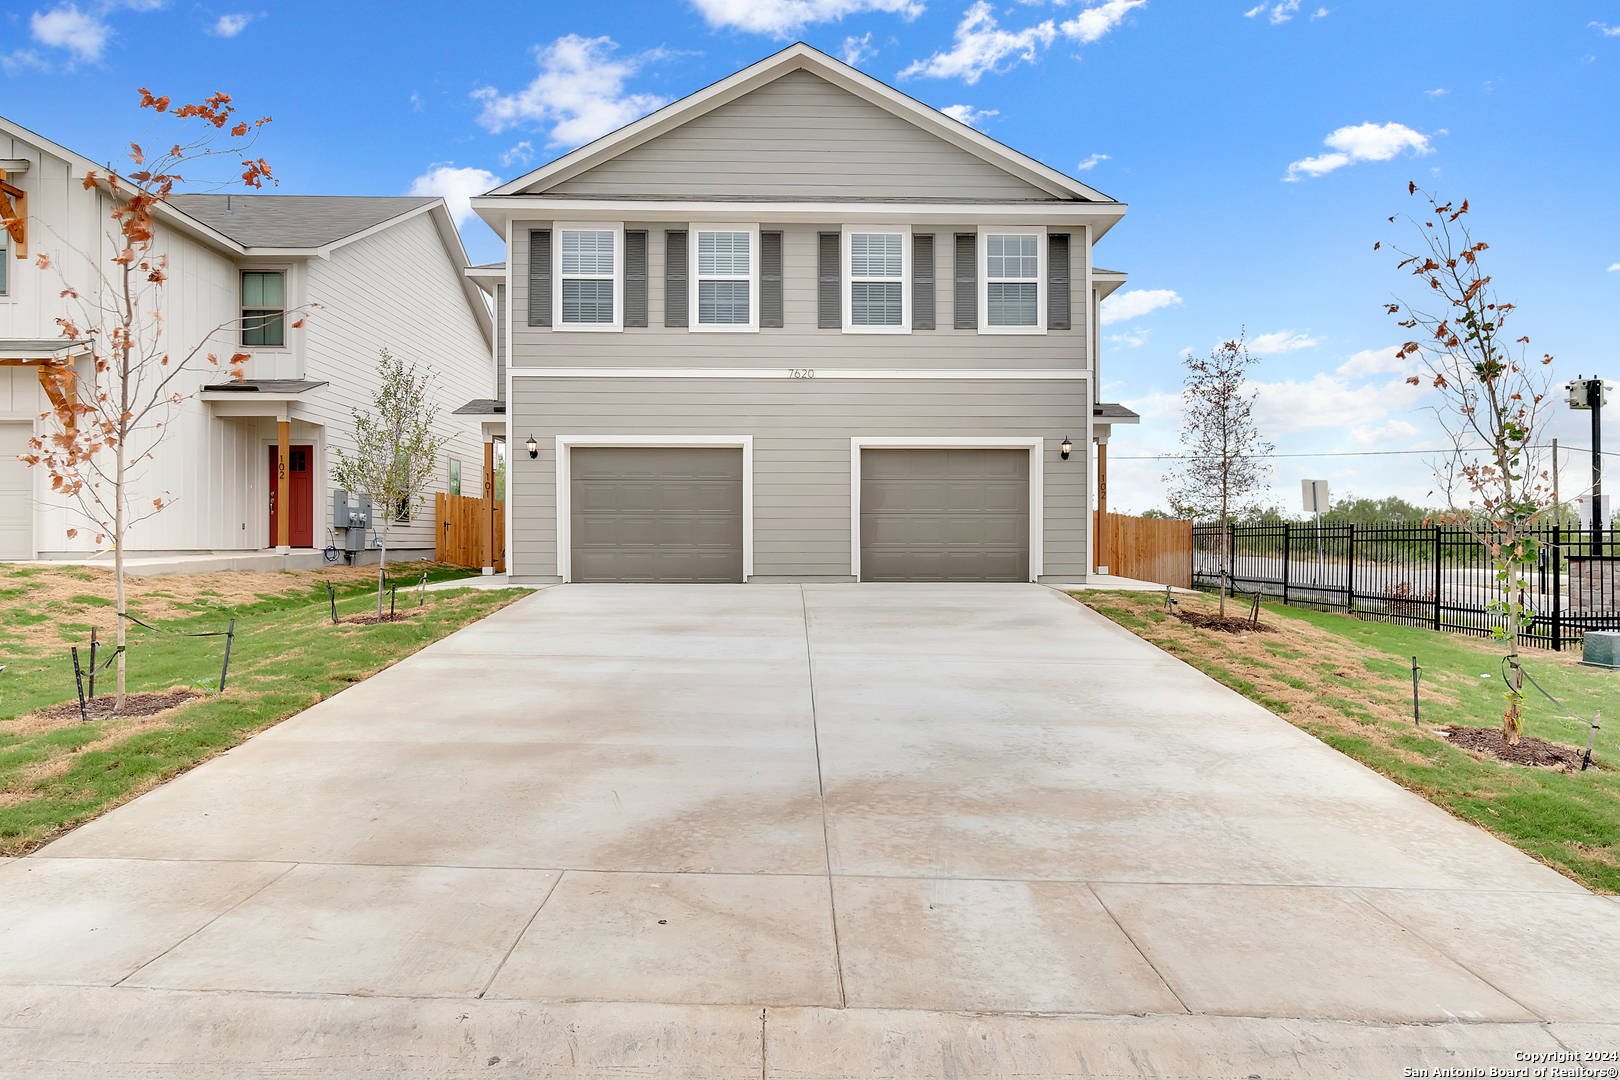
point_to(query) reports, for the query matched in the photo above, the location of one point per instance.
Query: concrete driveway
(830, 831)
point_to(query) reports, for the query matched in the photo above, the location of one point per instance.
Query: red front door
(300, 496)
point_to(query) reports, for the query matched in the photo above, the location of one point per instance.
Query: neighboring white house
(801, 327)
(385, 272)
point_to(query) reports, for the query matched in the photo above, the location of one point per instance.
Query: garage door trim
(565, 485)
(1034, 446)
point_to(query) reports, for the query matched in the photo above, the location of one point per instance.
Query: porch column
(487, 510)
(283, 496)
(1101, 561)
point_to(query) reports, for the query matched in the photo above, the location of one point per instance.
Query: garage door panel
(945, 515)
(656, 514)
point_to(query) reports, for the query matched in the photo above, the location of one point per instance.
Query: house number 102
(801, 373)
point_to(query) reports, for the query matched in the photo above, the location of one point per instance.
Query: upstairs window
(589, 266)
(724, 262)
(5, 260)
(1012, 274)
(264, 308)
(878, 297)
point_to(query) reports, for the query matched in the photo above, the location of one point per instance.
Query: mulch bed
(373, 620)
(100, 707)
(1228, 624)
(1529, 751)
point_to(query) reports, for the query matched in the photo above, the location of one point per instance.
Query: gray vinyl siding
(800, 135)
(799, 342)
(801, 431)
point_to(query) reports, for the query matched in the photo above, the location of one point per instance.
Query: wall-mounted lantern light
(1068, 447)
(534, 447)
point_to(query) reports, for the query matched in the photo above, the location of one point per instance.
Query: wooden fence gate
(1147, 549)
(469, 532)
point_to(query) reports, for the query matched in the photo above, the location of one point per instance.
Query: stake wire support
(78, 677)
(1417, 720)
(230, 636)
(331, 598)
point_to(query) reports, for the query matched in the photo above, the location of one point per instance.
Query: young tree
(101, 435)
(1491, 395)
(1225, 461)
(395, 451)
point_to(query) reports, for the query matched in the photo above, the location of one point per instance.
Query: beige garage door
(16, 494)
(944, 515)
(650, 513)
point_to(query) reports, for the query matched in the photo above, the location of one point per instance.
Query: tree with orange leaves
(102, 433)
(1491, 395)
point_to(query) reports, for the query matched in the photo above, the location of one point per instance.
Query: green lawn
(287, 655)
(1348, 682)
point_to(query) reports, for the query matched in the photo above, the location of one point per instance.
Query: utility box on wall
(354, 516)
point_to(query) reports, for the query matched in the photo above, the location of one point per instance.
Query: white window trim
(1035, 446)
(845, 257)
(286, 272)
(565, 486)
(694, 287)
(985, 231)
(617, 325)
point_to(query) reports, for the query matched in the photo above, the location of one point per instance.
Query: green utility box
(1602, 648)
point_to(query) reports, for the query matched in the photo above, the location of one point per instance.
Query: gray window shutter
(922, 281)
(770, 279)
(829, 281)
(966, 302)
(675, 274)
(635, 277)
(539, 277)
(1057, 281)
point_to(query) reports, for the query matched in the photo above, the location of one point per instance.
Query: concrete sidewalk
(830, 831)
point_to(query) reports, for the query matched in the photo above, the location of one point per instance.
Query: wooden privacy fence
(469, 532)
(1147, 549)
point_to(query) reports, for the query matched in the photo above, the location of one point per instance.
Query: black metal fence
(1431, 576)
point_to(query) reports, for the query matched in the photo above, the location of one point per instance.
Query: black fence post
(1558, 592)
(1231, 558)
(1350, 570)
(1436, 577)
(1287, 555)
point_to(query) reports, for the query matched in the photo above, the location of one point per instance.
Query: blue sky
(1260, 149)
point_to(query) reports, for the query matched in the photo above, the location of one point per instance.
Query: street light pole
(1594, 400)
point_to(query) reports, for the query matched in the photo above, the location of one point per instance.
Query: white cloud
(66, 27)
(1393, 432)
(521, 154)
(1605, 30)
(1437, 93)
(1320, 13)
(1373, 362)
(1283, 341)
(968, 115)
(1133, 338)
(1090, 163)
(981, 46)
(857, 50)
(1096, 20)
(1327, 401)
(1615, 268)
(579, 92)
(228, 26)
(20, 60)
(1364, 142)
(782, 18)
(1276, 13)
(456, 186)
(1121, 307)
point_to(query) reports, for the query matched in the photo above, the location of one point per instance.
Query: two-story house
(800, 327)
(373, 273)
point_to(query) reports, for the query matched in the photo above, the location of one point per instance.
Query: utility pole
(1590, 394)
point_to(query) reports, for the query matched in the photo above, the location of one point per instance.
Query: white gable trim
(801, 57)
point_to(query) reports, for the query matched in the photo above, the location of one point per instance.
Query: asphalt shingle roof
(294, 221)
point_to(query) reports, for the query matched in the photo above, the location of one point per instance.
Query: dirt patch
(1227, 624)
(373, 620)
(101, 708)
(1528, 751)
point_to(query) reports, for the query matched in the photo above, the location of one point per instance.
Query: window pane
(874, 255)
(874, 303)
(587, 252)
(261, 327)
(262, 289)
(723, 303)
(1012, 256)
(1011, 305)
(722, 253)
(587, 301)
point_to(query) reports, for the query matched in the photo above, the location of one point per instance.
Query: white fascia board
(499, 210)
(800, 56)
(1106, 282)
(1080, 374)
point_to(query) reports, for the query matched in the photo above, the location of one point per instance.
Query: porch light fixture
(533, 447)
(1067, 447)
